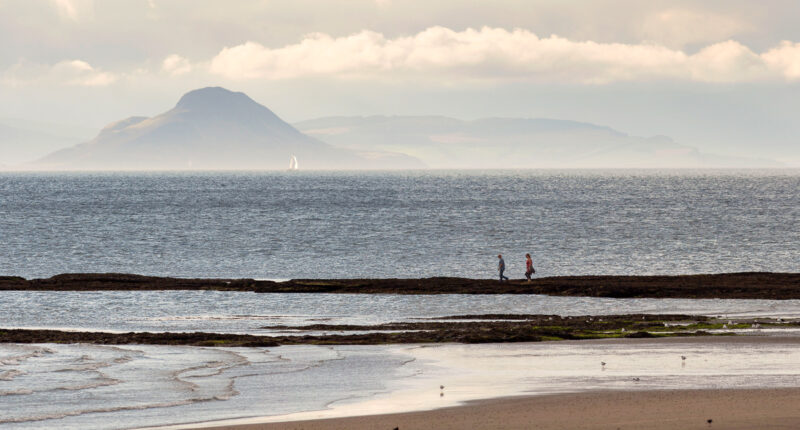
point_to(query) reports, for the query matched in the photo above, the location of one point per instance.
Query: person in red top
(529, 270)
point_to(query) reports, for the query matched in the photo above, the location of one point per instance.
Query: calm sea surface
(343, 225)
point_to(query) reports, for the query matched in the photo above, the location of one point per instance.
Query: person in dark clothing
(501, 267)
(529, 270)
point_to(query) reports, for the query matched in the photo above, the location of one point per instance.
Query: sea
(283, 225)
(400, 224)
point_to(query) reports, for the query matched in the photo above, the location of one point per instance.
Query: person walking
(501, 267)
(529, 270)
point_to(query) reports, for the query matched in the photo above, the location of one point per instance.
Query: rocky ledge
(460, 329)
(751, 285)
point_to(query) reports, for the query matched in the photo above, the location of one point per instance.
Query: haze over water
(413, 224)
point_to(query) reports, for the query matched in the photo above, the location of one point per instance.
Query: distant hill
(443, 142)
(212, 129)
(23, 141)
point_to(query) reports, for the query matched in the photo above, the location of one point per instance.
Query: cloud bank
(440, 54)
(68, 72)
(500, 54)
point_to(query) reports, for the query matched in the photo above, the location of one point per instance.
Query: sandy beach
(651, 407)
(657, 410)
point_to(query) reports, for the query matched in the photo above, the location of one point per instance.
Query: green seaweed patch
(596, 335)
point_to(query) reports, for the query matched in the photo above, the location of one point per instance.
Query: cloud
(786, 58)
(70, 73)
(497, 54)
(176, 65)
(727, 62)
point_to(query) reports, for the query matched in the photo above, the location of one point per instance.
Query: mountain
(22, 141)
(443, 142)
(212, 129)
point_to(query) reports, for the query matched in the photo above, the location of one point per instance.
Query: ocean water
(344, 225)
(412, 224)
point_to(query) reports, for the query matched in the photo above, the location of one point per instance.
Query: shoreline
(493, 386)
(647, 409)
(626, 408)
(748, 285)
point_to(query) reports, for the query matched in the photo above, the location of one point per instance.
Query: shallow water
(106, 387)
(244, 312)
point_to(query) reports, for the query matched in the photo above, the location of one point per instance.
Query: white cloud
(442, 55)
(497, 54)
(176, 65)
(728, 62)
(786, 58)
(70, 73)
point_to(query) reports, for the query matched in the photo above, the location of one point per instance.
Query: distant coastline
(748, 285)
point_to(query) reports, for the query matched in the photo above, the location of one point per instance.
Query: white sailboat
(293, 163)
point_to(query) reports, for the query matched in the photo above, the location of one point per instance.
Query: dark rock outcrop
(510, 328)
(754, 285)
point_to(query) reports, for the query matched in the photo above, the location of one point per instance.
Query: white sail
(293, 163)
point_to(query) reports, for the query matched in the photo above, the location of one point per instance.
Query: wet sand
(753, 285)
(657, 410)
(645, 408)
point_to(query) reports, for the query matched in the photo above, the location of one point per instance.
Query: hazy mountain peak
(216, 98)
(212, 128)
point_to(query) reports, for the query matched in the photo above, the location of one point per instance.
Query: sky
(720, 75)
